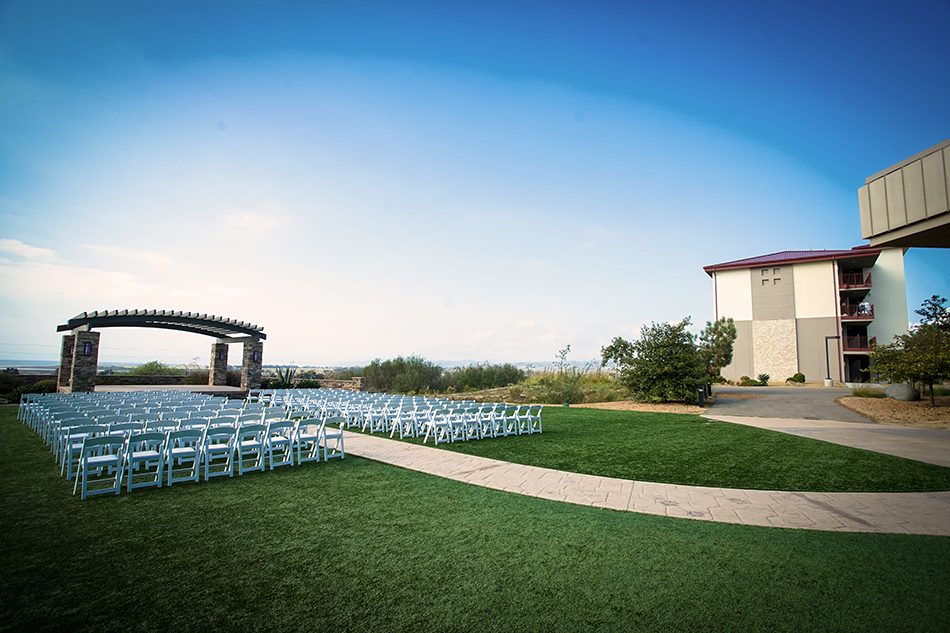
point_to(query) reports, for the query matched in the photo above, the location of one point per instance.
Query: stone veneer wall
(66, 361)
(775, 348)
(218, 374)
(85, 366)
(356, 384)
(251, 368)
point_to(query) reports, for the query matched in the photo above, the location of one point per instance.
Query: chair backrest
(154, 440)
(125, 428)
(222, 420)
(103, 444)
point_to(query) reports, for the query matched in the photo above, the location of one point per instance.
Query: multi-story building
(814, 312)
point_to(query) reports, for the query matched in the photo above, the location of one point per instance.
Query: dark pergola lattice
(215, 326)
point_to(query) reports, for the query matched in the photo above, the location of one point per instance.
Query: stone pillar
(85, 362)
(360, 383)
(66, 363)
(251, 369)
(218, 369)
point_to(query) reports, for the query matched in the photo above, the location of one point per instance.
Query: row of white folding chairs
(453, 424)
(105, 460)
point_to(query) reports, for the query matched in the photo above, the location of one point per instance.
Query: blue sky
(463, 181)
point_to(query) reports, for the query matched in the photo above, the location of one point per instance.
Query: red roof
(787, 257)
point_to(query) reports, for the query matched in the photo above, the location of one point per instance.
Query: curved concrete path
(896, 513)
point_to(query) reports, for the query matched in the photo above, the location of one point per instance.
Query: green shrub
(478, 377)
(9, 382)
(745, 381)
(307, 384)
(154, 368)
(799, 377)
(664, 365)
(718, 379)
(867, 392)
(196, 377)
(764, 379)
(43, 386)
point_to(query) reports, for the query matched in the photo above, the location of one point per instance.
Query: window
(776, 271)
(765, 282)
(776, 281)
(765, 271)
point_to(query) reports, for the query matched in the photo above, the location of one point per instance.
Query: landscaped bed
(889, 411)
(356, 545)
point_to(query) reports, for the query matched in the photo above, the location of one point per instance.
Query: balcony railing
(857, 311)
(855, 280)
(859, 343)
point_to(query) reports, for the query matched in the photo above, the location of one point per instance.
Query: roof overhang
(858, 257)
(227, 330)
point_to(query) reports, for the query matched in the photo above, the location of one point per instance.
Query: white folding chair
(145, 459)
(307, 440)
(102, 458)
(217, 451)
(332, 439)
(183, 455)
(250, 447)
(279, 443)
(71, 446)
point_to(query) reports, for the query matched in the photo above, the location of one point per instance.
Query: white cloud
(155, 259)
(28, 252)
(252, 220)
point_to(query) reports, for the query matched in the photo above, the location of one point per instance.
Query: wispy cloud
(149, 257)
(252, 220)
(16, 247)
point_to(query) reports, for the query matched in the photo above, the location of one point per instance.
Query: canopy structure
(216, 326)
(80, 353)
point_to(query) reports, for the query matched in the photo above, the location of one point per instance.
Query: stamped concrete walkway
(896, 513)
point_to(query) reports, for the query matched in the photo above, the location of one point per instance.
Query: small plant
(745, 381)
(799, 377)
(867, 392)
(285, 378)
(764, 379)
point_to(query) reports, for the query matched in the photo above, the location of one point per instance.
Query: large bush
(43, 386)
(155, 368)
(663, 365)
(480, 377)
(403, 375)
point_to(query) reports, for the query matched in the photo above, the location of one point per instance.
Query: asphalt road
(794, 403)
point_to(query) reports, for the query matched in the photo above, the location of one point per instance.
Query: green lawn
(359, 545)
(690, 450)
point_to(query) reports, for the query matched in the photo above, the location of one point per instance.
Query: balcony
(854, 280)
(859, 343)
(857, 311)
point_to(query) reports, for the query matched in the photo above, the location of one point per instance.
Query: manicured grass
(690, 450)
(355, 545)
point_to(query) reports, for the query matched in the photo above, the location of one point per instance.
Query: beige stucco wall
(741, 364)
(815, 290)
(775, 348)
(889, 296)
(811, 348)
(773, 296)
(733, 294)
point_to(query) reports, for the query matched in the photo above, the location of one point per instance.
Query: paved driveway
(791, 403)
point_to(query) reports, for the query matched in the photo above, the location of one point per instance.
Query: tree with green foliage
(155, 368)
(935, 312)
(716, 344)
(923, 355)
(403, 375)
(663, 365)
